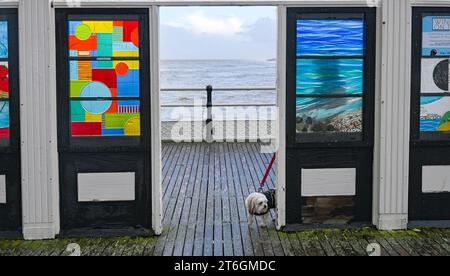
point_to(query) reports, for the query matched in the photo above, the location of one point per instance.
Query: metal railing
(209, 102)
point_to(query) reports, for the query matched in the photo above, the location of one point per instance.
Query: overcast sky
(218, 33)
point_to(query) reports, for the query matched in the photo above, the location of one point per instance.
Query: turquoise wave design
(330, 76)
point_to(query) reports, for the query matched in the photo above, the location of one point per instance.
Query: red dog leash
(269, 169)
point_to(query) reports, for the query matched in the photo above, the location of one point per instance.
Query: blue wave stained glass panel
(330, 76)
(318, 115)
(330, 37)
(3, 39)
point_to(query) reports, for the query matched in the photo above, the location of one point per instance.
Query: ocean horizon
(222, 73)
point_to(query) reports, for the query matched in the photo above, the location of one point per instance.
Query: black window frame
(417, 137)
(12, 144)
(332, 139)
(68, 143)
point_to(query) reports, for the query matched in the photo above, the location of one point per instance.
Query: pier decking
(204, 187)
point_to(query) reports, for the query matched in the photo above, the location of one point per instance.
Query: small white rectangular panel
(328, 182)
(2, 189)
(435, 179)
(102, 187)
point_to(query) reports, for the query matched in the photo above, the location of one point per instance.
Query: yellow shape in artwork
(92, 118)
(100, 27)
(445, 127)
(133, 127)
(132, 64)
(126, 54)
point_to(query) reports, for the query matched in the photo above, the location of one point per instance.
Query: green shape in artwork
(77, 113)
(76, 87)
(446, 118)
(83, 32)
(119, 120)
(118, 34)
(105, 45)
(104, 64)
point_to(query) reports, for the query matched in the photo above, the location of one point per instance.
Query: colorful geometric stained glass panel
(104, 78)
(329, 115)
(4, 119)
(104, 38)
(105, 118)
(434, 114)
(4, 39)
(330, 76)
(4, 85)
(4, 80)
(330, 37)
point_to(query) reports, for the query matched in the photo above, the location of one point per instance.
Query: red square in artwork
(4, 133)
(86, 129)
(130, 28)
(106, 76)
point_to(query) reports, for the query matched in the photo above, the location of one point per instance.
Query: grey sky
(218, 33)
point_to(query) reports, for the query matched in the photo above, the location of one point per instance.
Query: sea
(219, 74)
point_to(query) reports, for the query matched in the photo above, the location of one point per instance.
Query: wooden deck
(204, 214)
(205, 187)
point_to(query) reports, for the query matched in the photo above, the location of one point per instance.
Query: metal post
(209, 119)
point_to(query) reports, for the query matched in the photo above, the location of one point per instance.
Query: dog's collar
(262, 214)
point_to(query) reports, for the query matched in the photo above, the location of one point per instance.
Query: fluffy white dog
(259, 204)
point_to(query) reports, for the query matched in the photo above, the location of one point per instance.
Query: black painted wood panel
(10, 165)
(331, 150)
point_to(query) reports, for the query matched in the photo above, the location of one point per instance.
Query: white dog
(259, 204)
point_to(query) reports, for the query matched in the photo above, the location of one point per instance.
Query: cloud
(255, 41)
(263, 30)
(199, 23)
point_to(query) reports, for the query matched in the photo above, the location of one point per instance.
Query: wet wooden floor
(204, 189)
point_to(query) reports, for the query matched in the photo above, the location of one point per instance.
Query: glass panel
(4, 119)
(4, 39)
(4, 86)
(436, 36)
(330, 37)
(105, 118)
(435, 114)
(4, 80)
(330, 76)
(435, 75)
(104, 78)
(339, 210)
(102, 38)
(329, 115)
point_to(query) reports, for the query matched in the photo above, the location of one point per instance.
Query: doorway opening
(218, 89)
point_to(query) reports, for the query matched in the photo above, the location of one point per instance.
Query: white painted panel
(2, 189)
(328, 182)
(38, 128)
(101, 187)
(435, 179)
(391, 168)
(428, 84)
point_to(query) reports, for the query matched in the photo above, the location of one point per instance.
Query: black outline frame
(102, 143)
(335, 138)
(104, 154)
(10, 157)
(417, 137)
(331, 150)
